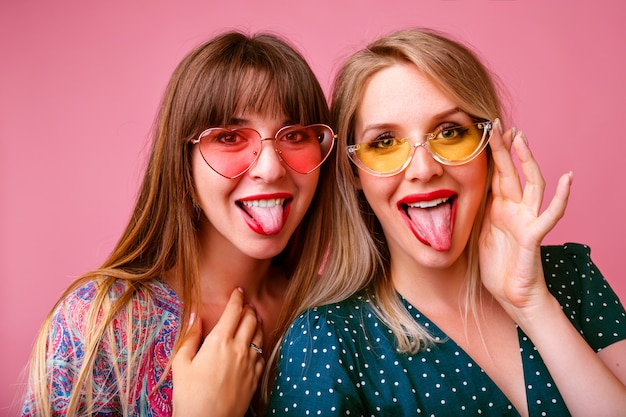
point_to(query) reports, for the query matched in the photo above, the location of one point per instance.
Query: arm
(62, 360)
(219, 376)
(511, 269)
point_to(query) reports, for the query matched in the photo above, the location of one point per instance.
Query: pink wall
(80, 83)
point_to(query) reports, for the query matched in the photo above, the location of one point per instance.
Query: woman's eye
(229, 138)
(450, 133)
(384, 142)
(296, 136)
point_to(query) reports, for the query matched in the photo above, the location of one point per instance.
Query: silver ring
(257, 348)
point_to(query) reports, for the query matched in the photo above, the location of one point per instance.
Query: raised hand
(221, 377)
(514, 226)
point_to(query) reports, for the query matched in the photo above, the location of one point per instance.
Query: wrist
(537, 313)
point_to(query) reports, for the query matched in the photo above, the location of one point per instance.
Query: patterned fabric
(341, 359)
(155, 320)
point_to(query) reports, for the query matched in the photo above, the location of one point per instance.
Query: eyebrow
(437, 117)
(240, 121)
(235, 121)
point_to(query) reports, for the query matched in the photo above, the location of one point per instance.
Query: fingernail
(523, 136)
(192, 318)
(513, 132)
(498, 123)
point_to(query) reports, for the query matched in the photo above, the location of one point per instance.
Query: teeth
(264, 203)
(427, 204)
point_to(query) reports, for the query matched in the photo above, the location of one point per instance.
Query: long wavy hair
(231, 73)
(459, 73)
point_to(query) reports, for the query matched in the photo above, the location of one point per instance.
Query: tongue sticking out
(433, 224)
(269, 219)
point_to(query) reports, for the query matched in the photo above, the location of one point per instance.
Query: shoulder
(89, 302)
(585, 296)
(567, 267)
(331, 316)
(333, 330)
(153, 292)
(575, 252)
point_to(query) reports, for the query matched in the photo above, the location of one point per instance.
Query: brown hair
(230, 73)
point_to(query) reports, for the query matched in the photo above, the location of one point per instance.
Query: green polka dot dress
(341, 359)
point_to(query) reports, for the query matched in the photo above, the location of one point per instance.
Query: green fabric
(340, 359)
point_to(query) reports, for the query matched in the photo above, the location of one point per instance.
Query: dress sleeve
(64, 358)
(584, 294)
(315, 375)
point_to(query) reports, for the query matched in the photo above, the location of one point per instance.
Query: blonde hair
(233, 72)
(457, 71)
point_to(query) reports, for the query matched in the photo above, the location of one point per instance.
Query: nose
(268, 165)
(423, 166)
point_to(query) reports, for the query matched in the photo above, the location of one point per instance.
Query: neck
(263, 287)
(219, 279)
(428, 287)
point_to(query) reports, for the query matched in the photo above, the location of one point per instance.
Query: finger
(190, 343)
(258, 369)
(535, 183)
(558, 204)
(257, 340)
(229, 320)
(507, 139)
(260, 359)
(247, 326)
(506, 182)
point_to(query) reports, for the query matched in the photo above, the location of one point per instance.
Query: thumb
(190, 342)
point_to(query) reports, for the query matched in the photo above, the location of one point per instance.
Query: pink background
(80, 82)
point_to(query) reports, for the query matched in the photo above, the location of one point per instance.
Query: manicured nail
(523, 136)
(513, 132)
(498, 123)
(192, 318)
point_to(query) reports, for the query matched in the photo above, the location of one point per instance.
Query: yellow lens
(457, 143)
(386, 155)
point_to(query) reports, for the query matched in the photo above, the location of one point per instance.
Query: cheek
(378, 190)
(473, 180)
(307, 184)
(208, 184)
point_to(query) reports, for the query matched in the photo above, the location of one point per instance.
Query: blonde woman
(228, 217)
(466, 314)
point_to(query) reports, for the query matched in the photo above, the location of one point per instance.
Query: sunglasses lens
(304, 148)
(229, 152)
(385, 155)
(457, 144)
(451, 146)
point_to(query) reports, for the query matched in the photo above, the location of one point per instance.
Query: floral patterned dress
(155, 316)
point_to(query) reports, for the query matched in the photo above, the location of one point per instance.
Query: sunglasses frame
(333, 137)
(487, 128)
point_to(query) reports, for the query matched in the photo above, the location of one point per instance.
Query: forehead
(401, 94)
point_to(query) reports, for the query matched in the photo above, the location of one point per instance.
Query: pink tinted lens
(304, 148)
(229, 152)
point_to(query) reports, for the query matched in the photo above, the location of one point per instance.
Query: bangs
(260, 92)
(235, 75)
